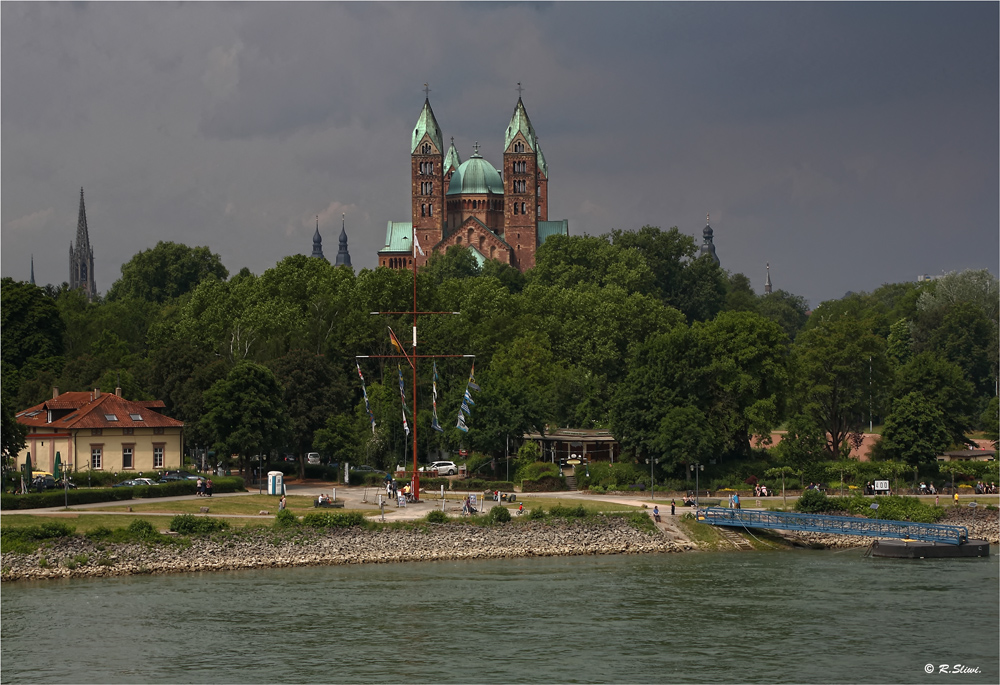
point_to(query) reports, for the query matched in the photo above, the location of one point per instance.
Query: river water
(761, 617)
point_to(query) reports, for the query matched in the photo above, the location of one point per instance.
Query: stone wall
(270, 548)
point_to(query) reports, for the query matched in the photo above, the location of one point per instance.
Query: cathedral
(81, 258)
(501, 215)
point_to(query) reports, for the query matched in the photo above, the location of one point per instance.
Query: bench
(329, 505)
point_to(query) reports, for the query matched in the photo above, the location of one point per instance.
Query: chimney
(55, 391)
(118, 391)
(97, 393)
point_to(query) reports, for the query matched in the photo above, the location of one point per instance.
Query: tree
(746, 374)
(244, 413)
(835, 366)
(568, 261)
(310, 392)
(12, 433)
(684, 437)
(967, 337)
(785, 309)
(740, 296)
(915, 430)
(899, 345)
(30, 325)
(165, 272)
(943, 384)
(990, 420)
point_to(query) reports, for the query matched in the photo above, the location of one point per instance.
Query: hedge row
(56, 498)
(544, 484)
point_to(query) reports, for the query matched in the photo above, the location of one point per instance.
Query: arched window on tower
(482, 242)
(522, 208)
(430, 210)
(426, 149)
(423, 210)
(515, 208)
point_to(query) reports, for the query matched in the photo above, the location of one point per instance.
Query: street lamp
(697, 467)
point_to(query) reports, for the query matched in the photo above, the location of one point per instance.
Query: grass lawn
(533, 501)
(87, 522)
(248, 505)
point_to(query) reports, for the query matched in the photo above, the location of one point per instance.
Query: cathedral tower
(522, 187)
(81, 258)
(343, 256)
(427, 179)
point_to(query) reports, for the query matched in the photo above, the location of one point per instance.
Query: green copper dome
(475, 175)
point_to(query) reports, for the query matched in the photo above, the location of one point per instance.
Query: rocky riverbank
(983, 524)
(79, 557)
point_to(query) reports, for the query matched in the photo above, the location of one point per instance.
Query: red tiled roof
(91, 413)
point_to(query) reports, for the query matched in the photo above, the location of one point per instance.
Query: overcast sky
(848, 144)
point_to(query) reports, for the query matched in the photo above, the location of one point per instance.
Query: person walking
(199, 488)
(736, 500)
(208, 487)
(673, 508)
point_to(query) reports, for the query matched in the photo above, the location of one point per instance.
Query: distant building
(103, 432)
(317, 243)
(708, 246)
(343, 256)
(81, 257)
(498, 215)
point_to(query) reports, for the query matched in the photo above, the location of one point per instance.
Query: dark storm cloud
(846, 144)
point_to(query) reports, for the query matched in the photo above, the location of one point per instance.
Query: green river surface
(754, 617)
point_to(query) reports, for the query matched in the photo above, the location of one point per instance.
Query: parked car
(144, 481)
(364, 468)
(444, 468)
(312, 458)
(46, 482)
(125, 484)
(178, 475)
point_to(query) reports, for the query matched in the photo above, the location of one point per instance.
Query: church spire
(767, 282)
(81, 258)
(519, 121)
(343, 256)
(317, 243)
(708, 244)
(427, 124)
(32, 281)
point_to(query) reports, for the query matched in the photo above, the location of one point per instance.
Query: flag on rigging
(399, 346)
(371, 417)
(434, 393)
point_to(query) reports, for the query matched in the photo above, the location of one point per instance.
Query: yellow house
(103, 432)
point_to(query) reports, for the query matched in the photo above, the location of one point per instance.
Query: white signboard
(881, 485)
(472, 500)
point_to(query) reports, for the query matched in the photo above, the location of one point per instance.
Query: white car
(312, 458)
(444, 468)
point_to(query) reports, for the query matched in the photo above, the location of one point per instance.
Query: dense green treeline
(630, 331)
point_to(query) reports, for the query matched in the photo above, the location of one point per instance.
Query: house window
(128, 431)
(96, 431)
(95, 457)
(127, 458)
(158, 431)
(158, 456)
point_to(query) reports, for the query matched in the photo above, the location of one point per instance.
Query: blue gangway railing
(842, 525)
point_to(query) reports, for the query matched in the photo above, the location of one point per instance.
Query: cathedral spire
(519, 121)
(343, 256)
(427, 124)
(81, 257)
(767, 282)
(32, 281)
(82, 235)
(317, 243)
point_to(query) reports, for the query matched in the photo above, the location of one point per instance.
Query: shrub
(813, 502)
(285, 519)
(141, 529)
(326, 519)
(481, 484)
(499, 515)
(26, 540)
(568, 512)
(537, 513)
(539, 469)
(186, 524)
(437, 516)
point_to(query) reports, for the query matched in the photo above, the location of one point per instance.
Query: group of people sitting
(761, 491)
(401, 495)
(984, 489)
(324, 500)
(926, 489)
